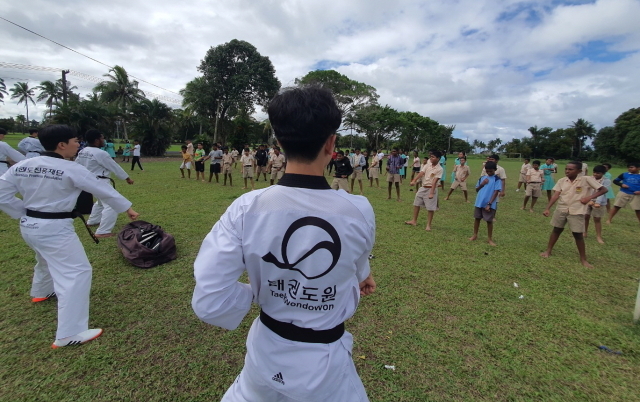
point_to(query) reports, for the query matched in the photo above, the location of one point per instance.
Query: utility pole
(64, 86)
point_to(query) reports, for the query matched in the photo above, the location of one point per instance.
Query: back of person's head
(527, 159)
(136, 141)
(54, 134)
(536, 162)
(184, 147)
(3, 131)
(33, 131)
(436, 153)
(600, 169)
(577, 164)
(490, 165)
(607, 165)
(92, 135)
(495, 156)
(302, 119)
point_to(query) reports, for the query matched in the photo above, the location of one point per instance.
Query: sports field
(446, 313)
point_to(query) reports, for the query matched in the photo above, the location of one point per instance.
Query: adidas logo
(278, 378)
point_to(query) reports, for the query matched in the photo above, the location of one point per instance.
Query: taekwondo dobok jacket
(31, 147)
(50, 184)
(7, 152)
(100, 163)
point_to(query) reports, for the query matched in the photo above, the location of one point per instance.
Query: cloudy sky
(492, 68)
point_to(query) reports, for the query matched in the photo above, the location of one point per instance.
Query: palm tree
(23, 93)
(3, 90)
(22, 120)
(50, 93)
(583, 129)
(121, 92)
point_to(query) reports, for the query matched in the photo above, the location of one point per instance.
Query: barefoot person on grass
(572, 194)
(597, 207)
(394, 164)
(488, 188)
(427, 196)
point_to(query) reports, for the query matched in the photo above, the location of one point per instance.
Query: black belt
(248, 165)
(299, 334)
(113, 183)
(62, 215)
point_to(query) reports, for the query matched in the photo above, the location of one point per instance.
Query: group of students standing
(254, 162)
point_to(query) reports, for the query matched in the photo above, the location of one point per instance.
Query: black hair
(490, 165)
(577, 164)
(340, 153)
(245, 150)
(2, 131)
(634, 164)
(464, 157)
(600, 169)
(536, 162)
(183, 147)
(302, 119)
(495, 156)
(608, 166)
(526, 159)
(54, 134)
(436, 153)
(92, 135)
(357, 149)
(33, 130)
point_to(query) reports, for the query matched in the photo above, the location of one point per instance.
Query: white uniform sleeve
(9, 203)
(105, 160)
(218, 298)
(22, 145)
(88, 182)
(10, 153)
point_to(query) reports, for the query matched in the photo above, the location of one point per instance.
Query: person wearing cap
(50, 186)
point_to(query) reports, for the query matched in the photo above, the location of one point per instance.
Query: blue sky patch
(527, 10)
(327, 65)
(597, 51)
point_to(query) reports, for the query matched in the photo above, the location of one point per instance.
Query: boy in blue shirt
(488, 188)
(629, 193)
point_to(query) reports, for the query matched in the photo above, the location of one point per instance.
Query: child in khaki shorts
(461, 173)
(629, 193)
(597, 207)
(533, 185)
(573, 194)
(427, 195)
(247, 162)
(227, 161)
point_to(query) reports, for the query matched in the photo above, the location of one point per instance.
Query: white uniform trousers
(104, 215)
(62, 266)
(280, 370)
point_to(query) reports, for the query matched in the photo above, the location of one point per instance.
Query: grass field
(446, 313)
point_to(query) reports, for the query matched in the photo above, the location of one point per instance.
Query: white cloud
(492, 68)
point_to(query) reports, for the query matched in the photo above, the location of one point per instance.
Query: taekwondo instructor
(101, 164)
(50, 186)
(307, 276)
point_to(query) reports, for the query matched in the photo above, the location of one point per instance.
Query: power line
(82, 76)
(84, 55)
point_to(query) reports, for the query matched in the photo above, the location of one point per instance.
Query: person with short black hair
(596, 208)
(358, 163)
(136, 155)
(186, 161)
(394, 164)
(262, 159)
(8, 155)
(50, 186)
(298, 349)
(523, 174)
(342, 173)
(427, 196)
(629, 193)
(533, 180)
(277, 165)
(461, 172)
(573, 195)
(489, 187)
(214, 167)
(101, 164)
(30, 146)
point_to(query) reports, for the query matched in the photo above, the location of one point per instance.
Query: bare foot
(491, 243)
(522, 208)
(495, 220)
(546, 254)
(474, 237)
(599, 240)
(446, 199)
(399, 200)
(388, 198)
(608, 221)
(428, 228)
(244, 188)
(468, 202)
(586, 264)
(531, 210)
(412, 223)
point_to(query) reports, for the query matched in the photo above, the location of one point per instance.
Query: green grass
(446, 313)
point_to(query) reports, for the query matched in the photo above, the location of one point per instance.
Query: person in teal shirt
(443, 163)
(110, 148)
(549, 168)
(126, 153)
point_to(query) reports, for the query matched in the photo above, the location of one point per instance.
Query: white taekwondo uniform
(102, 165)
(31, 147)
(50, 184)
(304, 273)
(7, 152)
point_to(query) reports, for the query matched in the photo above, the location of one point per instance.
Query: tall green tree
(3, 90)
(237, 78)
(582, 130)
(378, 123)
(50, 93)
(23, 94)
(153, 126)
(120, 91)
(199, 101)
(350, 95)
(627, 127)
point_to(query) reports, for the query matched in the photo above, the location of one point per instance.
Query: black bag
(146, 245)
